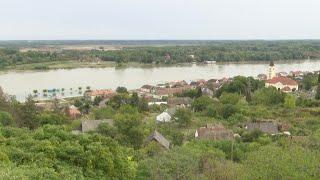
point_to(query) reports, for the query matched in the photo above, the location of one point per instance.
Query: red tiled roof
(102, 92)
(171, 91)
(282, 80)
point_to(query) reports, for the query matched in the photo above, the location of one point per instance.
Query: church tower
(271, 71)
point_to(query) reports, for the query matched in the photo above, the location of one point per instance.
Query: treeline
(221, 51)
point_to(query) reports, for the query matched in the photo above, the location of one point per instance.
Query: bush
(183, 117)
(5, 118)
(201, 103)
(229, 98)
(103, 113)
(268, 96)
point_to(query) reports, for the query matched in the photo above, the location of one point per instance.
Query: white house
(283, 83)
(163, 117)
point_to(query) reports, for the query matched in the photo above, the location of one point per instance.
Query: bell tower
(271, 71)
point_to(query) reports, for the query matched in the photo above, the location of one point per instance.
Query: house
(262, 77)
(163, 92)
(296, 73)
(166, 116)
(103, 103)
(214, 84)
(163, 117)
(284, 74)
(167, 56)
(198, 83)
(157, 103)
(179, 101)
(214, 132)
(176, 84)
(157, 137)
(73, 112)
(282, 83)
(269, 127)
(92, 125)
(147, 88)
(104, 93)
(206, 91)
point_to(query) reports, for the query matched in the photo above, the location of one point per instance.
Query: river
(20, 84)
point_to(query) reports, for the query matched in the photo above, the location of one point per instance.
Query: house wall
(280, 86)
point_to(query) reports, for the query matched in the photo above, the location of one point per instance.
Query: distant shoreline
(72, 64)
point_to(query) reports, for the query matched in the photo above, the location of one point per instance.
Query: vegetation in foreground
(37, 144)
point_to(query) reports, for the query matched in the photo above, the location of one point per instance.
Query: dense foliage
(221, 51)
(41, 144)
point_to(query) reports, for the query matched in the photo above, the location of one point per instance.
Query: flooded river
(21, 84)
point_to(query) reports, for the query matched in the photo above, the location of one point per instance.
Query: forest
(174, 52)
(39, 144)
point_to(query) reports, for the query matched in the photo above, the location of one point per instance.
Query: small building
(262, 77)
(167, 56)
(166, 116)
(296, 73)
(103, 93)
(284, 74)
(269, 127)
(283, 83)
(207, 91)
(92, 125)
(103, 103)
(147, 88)
(163, 117)
(157, 103)
(179, 102)
(214, 132)
(73, 112)
(165, 92)
(198, 83)
(157, 137)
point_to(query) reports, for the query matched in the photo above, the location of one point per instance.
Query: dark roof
(214, 132)
(269, 127)
(179, 101)
(147, 86)
(156, 136)
(92, 125)
(271, 63)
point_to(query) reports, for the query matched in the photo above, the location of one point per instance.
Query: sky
(159, 19)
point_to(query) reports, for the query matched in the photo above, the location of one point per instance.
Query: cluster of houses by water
(164, 94)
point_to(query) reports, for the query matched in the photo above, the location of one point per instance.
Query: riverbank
(72, 64)
(55, 65)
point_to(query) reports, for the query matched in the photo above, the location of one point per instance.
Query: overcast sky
(159, 19)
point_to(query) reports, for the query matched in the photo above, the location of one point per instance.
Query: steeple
(271, 63)
(271, 71)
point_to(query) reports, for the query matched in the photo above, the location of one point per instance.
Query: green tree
(129, 124)
(28, 114)
(183, 117)
(6, 118)
(201, 103)
(121, 90)
(229, 98)
(268, 96)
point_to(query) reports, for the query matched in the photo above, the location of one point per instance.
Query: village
(168, 97)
